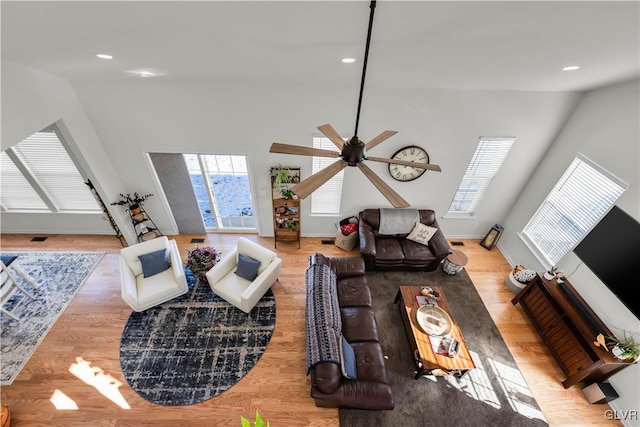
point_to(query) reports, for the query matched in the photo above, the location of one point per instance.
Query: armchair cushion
(247, 267)
(154, 262)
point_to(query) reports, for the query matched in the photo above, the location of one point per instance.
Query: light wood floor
(91, 326)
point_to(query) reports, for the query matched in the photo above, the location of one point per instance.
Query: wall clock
(411, 153)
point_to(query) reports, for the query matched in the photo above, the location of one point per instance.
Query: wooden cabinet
(569, 327)
(286, 205)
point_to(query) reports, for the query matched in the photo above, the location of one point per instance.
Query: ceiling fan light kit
(402, 167)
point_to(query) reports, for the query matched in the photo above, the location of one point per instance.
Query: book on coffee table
(422, 300)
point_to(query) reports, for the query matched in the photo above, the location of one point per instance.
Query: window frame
(28, 161)
(328, 190)
(548, 259)
(489, 173)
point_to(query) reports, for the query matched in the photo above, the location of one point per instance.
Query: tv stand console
(569, 327)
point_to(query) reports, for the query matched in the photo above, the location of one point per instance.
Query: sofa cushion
(416, 253)
(371, 366)
(389, 251)
(359, 324)
(154, 262)
(353, 291)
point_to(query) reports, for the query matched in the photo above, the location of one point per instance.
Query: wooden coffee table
(427, 361)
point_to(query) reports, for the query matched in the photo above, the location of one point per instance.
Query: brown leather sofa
(351, 298)
(395, 252)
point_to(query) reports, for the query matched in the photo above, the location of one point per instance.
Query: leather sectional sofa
(395, 251)
(339, 304)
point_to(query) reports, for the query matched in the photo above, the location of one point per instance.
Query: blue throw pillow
(348, 360)
(154, 262)
(247, 267)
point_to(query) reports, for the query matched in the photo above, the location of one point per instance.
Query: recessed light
(104, 56)
(348, 60)
(571, 68)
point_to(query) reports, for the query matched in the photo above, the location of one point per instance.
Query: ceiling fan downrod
(354, 140)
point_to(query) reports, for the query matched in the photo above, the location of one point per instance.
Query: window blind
(484, 165)
(326, 199)
(48, 166)
(582, 196)
(17, 192)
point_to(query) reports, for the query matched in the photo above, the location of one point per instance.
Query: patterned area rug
(60, 275)
(493, 394)
(193, 347)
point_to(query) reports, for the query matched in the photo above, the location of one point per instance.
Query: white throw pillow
(422, 233)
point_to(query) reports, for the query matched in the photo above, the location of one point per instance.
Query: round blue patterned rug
(193, 347)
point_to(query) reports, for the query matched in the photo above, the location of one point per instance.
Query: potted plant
(551, 273)
(625, 349)
(258, 423)
(133, 203)
(280, 176)
(286, 193)
(201, 259)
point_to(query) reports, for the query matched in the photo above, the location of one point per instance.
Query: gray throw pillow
(247, 267)
(348, 360)
(154, 262)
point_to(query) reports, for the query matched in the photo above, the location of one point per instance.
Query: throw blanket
(322, 317)
(398, 221)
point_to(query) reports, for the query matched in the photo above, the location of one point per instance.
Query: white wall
(144, 116)
(33, 100)
(605, 128)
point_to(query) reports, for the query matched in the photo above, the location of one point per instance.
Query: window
(221, 184)
(577, 202)
(484, 165)
(38, 175)
(326, 199)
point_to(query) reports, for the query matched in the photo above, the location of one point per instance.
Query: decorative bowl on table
(434, 320)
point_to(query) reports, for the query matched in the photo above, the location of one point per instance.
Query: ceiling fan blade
(416, 165)
(332, 134)
(302, 151)
(311, 184)
(383, 187)
(378, 139)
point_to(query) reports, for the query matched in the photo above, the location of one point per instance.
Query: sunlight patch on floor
(515, 388)
(62, 402)
(97, 378)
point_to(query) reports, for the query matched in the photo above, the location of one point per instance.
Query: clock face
(411, 153)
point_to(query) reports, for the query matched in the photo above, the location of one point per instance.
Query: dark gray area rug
(493, 394)
(194, 347)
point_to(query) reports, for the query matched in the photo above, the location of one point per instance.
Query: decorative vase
(135, 209)
(549, 276)
(618, 352)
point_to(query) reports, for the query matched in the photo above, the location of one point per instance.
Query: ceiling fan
(352, 152)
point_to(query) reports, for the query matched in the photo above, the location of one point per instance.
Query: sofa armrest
(367, 244)
(222, 268)
(439, 246)
(128, 284)
(347, 266)
(177, 266)
(260, 285)
(326, 376)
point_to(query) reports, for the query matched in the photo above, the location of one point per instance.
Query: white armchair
(238, 291)
(142, 292)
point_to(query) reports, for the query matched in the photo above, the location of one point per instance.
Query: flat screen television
(611, 250)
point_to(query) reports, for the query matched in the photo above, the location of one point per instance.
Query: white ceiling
(503, 45)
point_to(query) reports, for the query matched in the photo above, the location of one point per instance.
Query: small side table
(454, 262)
